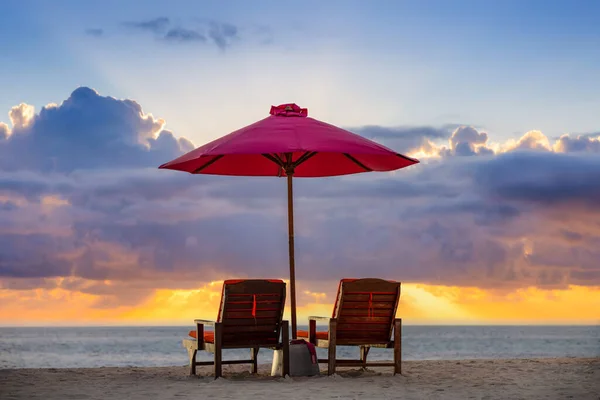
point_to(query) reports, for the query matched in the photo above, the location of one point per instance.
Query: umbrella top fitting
(289, 110)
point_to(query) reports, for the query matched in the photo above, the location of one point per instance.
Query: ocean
(161, 346)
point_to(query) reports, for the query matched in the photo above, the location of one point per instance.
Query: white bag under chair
(302, 360)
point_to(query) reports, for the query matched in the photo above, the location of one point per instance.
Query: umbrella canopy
(290, 143)
(316, 149)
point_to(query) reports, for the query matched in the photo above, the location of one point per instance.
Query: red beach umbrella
(289, 143)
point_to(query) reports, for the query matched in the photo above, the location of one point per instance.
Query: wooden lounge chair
(364, 315)
(250, 316)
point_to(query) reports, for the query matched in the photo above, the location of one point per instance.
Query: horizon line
(404, 324)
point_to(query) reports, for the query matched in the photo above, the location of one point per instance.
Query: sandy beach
(558, 378)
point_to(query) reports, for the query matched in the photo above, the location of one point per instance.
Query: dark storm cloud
(549, 179)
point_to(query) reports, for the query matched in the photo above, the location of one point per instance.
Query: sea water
(161, 346)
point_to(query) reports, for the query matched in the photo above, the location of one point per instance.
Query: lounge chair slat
(374, 297)
(270, 306)
(261, 313)
(365, 320)
(366, 305)
(250, 322)
(362, 312)
(355, 327)
(233, 328)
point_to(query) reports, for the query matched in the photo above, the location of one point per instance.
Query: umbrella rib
(276, 160)
(304, 157)
(414, 160)
(355, 161)
(280, 160)
(209, 163)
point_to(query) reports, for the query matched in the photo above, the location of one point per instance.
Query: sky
(498, 224)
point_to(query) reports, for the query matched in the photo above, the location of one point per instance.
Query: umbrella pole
(291, 250)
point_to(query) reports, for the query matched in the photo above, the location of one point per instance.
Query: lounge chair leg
(332, 347)
(193, 363)
(254, 355)
(218, 349)
(398, 346)
(364, 351)
(331, 360)
(312, 332)
(285, 338)
(218, 364)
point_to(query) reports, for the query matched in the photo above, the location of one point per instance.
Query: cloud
(82, 200)
(466, 140)
(156, 25)
(4, 131)
(184, 35)
(86, 131)
(544, 179)
(21, 116)
(532, 140)
(581, 143)
(405, 138)
(222, 33)
(94, 32)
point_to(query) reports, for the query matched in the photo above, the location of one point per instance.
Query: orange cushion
(320, 334)
(209, 336)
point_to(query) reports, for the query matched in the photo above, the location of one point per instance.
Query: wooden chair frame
(216, 348)
(331, 344)
(194, 345)
(392, 342)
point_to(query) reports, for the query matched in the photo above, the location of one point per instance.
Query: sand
(565, 378)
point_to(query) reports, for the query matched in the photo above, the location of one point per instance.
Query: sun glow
(419, 304)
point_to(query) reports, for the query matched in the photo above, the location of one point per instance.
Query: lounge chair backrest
(251, 311)
(365, 310)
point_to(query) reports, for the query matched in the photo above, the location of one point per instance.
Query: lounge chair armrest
(323, 319)
(205, 322)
